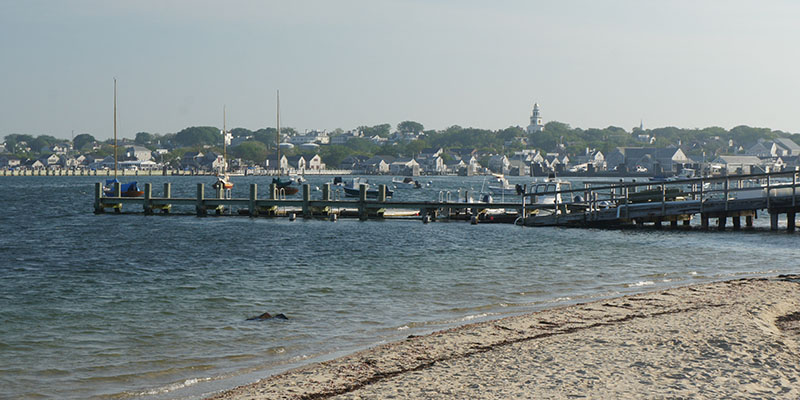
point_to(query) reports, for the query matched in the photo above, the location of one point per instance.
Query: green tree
(334, 155)
(251, 151)
(42, 143)
(410, 127)
(143, 138)
(198, 136)
(82, 141)
(382, 130)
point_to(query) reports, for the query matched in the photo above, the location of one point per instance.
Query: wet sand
(733, 339)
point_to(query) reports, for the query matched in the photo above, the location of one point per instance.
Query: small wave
(641, 283)
(471, 317)
(402, 328)
(172, 387)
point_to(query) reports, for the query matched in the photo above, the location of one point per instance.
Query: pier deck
(607, 205)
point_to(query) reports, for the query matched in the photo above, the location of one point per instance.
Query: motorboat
(286, 185)
(353, 188)
(502, 187)
(549, 193)
(406, 183)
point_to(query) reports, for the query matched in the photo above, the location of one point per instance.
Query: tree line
(556, 137)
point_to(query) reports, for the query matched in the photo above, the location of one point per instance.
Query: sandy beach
(733, 339)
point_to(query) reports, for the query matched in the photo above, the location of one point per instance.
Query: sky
(347, 63)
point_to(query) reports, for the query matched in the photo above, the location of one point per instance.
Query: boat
(502, 187)
(549, 193)
(223, 179)
(406, 183)
(285, 185)
(126, 189)
(353, 188)
(130, 189)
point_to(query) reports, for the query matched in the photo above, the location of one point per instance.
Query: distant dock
(673, 202)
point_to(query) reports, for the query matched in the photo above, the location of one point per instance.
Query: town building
(536, 120)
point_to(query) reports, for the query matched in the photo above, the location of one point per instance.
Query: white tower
(536, 120)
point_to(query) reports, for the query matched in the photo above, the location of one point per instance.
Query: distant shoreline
(146, 173)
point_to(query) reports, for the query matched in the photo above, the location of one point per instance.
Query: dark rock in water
(267, 315)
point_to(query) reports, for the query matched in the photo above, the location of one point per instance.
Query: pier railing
(744, 194)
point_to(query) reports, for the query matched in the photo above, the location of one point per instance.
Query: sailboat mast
(224, 143)
(278, 136)
(115, 128)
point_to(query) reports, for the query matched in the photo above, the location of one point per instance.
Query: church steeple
(536, 120)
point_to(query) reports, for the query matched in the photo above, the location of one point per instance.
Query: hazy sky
(341, 64)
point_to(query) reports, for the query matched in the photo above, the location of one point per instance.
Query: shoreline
(728, 338)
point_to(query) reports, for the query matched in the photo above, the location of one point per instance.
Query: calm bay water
(128, 306)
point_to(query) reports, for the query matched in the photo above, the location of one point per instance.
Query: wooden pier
(330, 205)
(676, 202)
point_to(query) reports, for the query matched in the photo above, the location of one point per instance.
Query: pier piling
(98, 194)
(165, 209)
(251, 208)
(362, 200)
(306, 199)
(200, 209)
(148, 196)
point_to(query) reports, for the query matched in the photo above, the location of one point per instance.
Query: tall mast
(278, 136)
(115, 128)
(224, 143)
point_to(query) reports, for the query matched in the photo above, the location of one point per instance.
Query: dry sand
(735, 339)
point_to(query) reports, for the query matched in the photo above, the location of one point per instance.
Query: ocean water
(151, 307)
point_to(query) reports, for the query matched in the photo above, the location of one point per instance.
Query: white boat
(406, 183)
(501, 187)
(223, 178)
(547, 193)
(353, 188)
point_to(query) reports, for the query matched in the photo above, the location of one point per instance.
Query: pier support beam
(98, 195)
(251, 207)
(721, 223)
(704, 221)
(362, 202)
(148, 195)
(382, 193)
(748, 221)
(674, 223)
(117, 193)
(273, 191)
(326, 192)
(657, 223)
(737, 223)
(687, 222)
(167, 194)
(199, 207)
(773, 221)
(790, 218)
